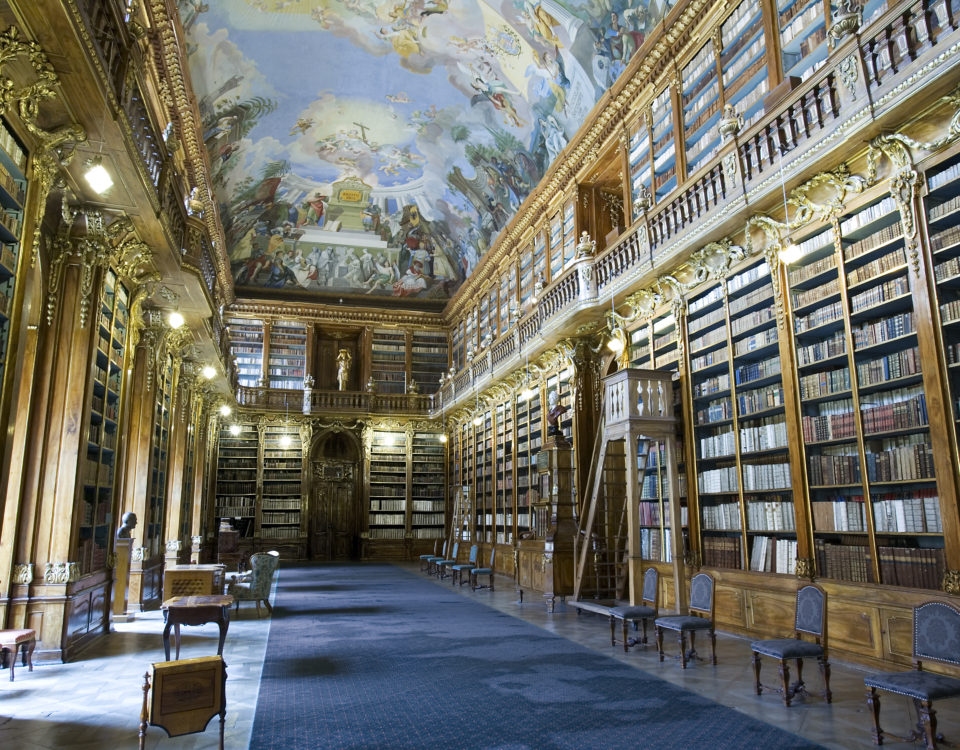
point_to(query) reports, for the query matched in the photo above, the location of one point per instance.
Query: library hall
(563, 374)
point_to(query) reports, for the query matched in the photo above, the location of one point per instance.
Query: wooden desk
(192, 580)
(195, 610)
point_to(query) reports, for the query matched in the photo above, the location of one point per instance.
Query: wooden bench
(25, 640)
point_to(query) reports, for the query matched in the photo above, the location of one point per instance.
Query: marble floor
(94, 702)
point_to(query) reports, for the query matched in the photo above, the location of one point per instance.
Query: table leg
(166, 639)
(223, 622)
(176, 632)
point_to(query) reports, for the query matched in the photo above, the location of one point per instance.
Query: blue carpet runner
(374, 656)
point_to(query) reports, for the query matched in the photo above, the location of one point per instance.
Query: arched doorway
(335, 520)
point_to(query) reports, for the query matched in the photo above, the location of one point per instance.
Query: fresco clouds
(378, 148)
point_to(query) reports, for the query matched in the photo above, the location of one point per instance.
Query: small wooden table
(195, 610)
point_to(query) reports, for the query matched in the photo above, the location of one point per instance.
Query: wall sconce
(97, 175)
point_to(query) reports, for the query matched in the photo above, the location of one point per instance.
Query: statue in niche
(555, 413)
(127, 524)
(343, 368)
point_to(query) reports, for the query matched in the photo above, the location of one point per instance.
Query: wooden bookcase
(287, 354)
(281, 501)
(159, 461)
(246, 346)
(237, 460)
(428, 479)
(13, 190)
(388, 360)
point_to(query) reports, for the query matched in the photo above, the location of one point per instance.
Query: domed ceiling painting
(374, 149)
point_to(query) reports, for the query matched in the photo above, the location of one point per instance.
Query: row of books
(871, 242)
(908, 512)
(391, 505)
(830, 426)
(803, 297)
(234, 511)
(739, 304)
(280, 488)
(759, 399)
(825, 383)
(708, 339)
(874, 268)
(281, 504)
(709, 359)
(900, 415)
(832, 468)
(747, 373)
(885, 329)
(386, 519)
(896, 365)
(945, 238)
(286, 517)
(846, 562)
(770, 433)
(721, 552)
(771, 555)
(822, 265)
(652, 547)
(819, 317)
(766, 476)
(427, 519)
(715, 411)
(846, 514)
(903, 462)
(937, 212)
(280, 532)
(717, 480)
(770, 515)
(721, 444)
(752, 320)
(720, 517)
(912, 567)
(884, 292)
(867, 215)
(704, 321)
(428, 505)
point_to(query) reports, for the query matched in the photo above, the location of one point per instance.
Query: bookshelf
(427, 503)
(13, 189)
(556, 245)
(503, 495)
(428, 359)
(483, 462)
(640, 347)
(99, 465)
(386, 517)
(281, 513)
(743, 64)
(237, 460)
(246, 347)
(526, 482)
(525, 271)
(639, 160)
(539, 256)
(569, 232)
(159, 461)
(700, 98)
(388, 360)
(287, 358)
(803, 36)
(664, 146)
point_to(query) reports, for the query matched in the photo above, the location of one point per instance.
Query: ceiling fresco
(377, 148)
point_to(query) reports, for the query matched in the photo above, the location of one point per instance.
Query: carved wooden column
(183, 376)
(140, 398)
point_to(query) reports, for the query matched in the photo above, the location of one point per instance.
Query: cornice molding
(336, 314)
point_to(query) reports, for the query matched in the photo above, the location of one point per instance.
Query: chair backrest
(650, 577)
(456, 549)
(936, 632)
(263, 565)
(701, 594)
(811, 614)
(474, 551)
(493, 552)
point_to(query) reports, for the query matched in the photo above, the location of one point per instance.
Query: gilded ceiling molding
(168, 34)
(333, 314)
(56, 147)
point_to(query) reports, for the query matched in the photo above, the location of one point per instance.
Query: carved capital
(951, 582)
(23, 573)
(138, 553)
(61, 572)
(173, 546)
(805, 568)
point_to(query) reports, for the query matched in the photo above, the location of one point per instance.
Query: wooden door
(335, 522)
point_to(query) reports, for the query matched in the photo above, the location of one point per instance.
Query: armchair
(256, 587)
(936, 636)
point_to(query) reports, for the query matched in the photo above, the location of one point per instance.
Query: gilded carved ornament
(805, 568)
(61, 572)
(23, 573)
(56, 147)
(951, 582)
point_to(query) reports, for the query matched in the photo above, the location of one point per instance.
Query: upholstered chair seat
(701, 618)
(634, 613)
(263, 566)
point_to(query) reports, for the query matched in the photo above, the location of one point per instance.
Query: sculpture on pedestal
(343, 368)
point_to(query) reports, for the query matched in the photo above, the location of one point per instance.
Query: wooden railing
(334, 402)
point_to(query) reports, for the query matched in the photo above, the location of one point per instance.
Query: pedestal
(121, 580)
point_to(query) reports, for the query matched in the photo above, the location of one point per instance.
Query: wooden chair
(810, 618)
(700, 618)
(646, 610)
(442, 565)
(425, 559)
(488, 571)
(433, 560)
(24, 640)
(460, 568)
(936, 635)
